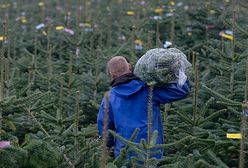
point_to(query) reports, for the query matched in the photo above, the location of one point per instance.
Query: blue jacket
(128, 106)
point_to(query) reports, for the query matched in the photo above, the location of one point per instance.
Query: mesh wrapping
(163, 66)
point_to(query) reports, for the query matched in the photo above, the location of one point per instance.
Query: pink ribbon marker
(70, 31)
(4, 144)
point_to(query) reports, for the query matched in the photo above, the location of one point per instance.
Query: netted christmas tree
(53, 56)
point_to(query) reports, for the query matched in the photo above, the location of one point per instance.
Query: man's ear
(130, 67)
(113, 76)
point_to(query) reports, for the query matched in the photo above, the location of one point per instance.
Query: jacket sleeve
(100, 123)
(171, 92)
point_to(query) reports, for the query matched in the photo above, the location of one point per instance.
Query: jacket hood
(126, 90)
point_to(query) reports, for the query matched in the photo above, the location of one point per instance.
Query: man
(128, 104)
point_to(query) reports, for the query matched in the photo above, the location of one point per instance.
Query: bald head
(118, 66)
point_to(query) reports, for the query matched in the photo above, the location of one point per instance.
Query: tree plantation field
(53, 56)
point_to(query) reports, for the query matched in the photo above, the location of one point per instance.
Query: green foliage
(12, 157)
(41, 153)
(51, 82)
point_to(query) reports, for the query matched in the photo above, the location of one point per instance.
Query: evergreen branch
(212, 116)
(202, 162)
(88, 132)
(68, 161)
(27, 52)
(173, 143)
(43, 129)
(40, 48)
(202, 134)
(208, 147)
(133, 145)
(205, 107)
(127, 142)
(177, 129)
(135, 133)
(47, 116)
(154, 138)
(23, 91)
(9, 123)
(77, 116)
(228, 104)
(204, 140)
(183, 117)
(111, 165)
(192, 48)
(87, 62)
(21, 103)
(216, 159)
(224, 143)
(105, 130)
(68, 131)
(78, 43)
(92, 145)
(215, 51)
(71, 118)
(41, 75)
(243, 130)
(243, 4)
(234, 111)
(240, 28)
(29, 98)
(229, 126)
(39, 124)
(144, 145)
(42, 107)
(7, 101)
(123, 152)
(121, 47)
(189, 160)
(244, 55)
(220, 96)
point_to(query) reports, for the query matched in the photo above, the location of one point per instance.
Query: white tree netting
(163, 66)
